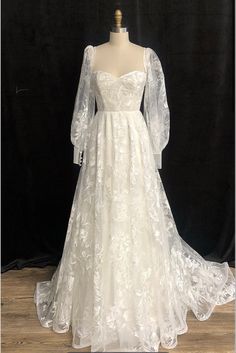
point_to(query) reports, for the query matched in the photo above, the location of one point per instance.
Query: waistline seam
(105, 110)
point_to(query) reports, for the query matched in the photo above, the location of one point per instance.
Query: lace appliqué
(126, 279)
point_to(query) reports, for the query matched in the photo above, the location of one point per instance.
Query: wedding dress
(126, 278)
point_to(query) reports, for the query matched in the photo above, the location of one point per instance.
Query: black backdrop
(42, 47)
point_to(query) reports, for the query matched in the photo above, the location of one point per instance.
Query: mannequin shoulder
(136, 46)
(103, 46)
(137, 49)
(107, 45)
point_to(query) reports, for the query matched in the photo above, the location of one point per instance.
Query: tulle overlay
(126, 279)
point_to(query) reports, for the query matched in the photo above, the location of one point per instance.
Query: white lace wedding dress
(126, 278)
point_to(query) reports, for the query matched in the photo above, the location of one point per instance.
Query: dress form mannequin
(119, 56)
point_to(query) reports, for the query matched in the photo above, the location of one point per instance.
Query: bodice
(123, 93)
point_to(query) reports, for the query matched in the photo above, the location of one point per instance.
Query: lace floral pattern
(126, 279)
(156, 109)
(84, 106)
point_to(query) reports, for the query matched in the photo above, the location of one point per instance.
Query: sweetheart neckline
(118, 77)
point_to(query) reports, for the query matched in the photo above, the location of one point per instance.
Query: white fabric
(84, 107)
(156, 111)
(126, 278)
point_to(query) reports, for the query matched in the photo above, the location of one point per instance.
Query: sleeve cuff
(77, 159)
(158, 161)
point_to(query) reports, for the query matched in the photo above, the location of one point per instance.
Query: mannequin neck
(119, 39)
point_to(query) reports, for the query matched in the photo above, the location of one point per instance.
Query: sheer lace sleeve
(84, 106)
(156, 110)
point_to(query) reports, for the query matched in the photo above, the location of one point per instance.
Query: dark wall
(42, 47)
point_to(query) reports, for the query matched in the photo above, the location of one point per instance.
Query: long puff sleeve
(156, 110)
(84, 106)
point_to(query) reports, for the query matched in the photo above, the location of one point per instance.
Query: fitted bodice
(123, 93)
